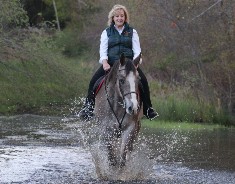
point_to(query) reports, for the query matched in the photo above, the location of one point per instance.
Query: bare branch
(206, 10)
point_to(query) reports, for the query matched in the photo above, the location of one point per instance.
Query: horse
(118, 108)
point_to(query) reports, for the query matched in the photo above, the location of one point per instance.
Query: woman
(118, 38)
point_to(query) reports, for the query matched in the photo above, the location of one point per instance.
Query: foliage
(70, 12)
(12, 15)
(182, 106)
(71, 44)
(187, 51)
(42, 78)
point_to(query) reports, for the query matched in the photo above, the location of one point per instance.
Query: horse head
(127, 82)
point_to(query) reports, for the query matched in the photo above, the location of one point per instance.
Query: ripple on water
(41, 161)
(19, 164)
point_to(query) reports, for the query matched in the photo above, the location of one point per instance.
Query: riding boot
(149, 112)
(87, 110)
(88, 107)
(147, 107)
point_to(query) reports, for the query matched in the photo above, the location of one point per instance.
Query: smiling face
(119, 18)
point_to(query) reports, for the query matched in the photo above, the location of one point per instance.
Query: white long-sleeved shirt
(104, 44)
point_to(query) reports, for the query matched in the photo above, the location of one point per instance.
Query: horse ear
(138, 60)
(122, 59)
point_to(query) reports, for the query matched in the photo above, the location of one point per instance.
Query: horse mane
(129, 66)
(113, 72)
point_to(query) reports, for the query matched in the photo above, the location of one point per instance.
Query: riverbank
(184, 126)
(37, 78)
(37, 87)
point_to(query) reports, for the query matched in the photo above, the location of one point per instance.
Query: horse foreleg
(128, 138)
(111, 154)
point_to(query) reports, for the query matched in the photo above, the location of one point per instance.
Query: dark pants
(145, 94)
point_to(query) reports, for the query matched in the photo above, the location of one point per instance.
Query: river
(38, 149)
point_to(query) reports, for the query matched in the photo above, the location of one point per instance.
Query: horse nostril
(130, 109)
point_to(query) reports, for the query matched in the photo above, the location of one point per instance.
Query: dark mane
(130, 67)
(113, 71)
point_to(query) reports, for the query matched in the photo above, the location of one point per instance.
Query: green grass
(158, 124)
(42, 78)
(180, 105)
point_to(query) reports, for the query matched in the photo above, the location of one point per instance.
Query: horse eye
(122, 81)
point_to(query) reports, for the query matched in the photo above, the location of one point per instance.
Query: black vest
(118, 44)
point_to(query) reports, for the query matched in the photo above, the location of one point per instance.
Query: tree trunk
(56, 15)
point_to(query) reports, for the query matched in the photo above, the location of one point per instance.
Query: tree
(12, 15)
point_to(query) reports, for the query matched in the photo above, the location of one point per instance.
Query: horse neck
(111, 88)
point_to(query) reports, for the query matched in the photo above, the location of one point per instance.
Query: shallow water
(36, 149)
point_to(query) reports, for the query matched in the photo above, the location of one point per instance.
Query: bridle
(125, 94)
(108, 99)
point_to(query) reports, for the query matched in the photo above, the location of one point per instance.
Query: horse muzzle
(131, 108)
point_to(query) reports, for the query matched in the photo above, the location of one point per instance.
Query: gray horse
(118, 109)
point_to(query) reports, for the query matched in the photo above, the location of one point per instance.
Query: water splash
(139, 166)
(76, 104)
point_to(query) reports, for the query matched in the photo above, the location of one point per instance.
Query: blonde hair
(113, 12)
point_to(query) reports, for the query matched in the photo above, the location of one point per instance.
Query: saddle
(98, 85)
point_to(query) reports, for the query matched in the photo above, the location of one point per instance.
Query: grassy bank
(37, 78)
(179, 104)
(176, 108)
(27, 86)
(179, 125)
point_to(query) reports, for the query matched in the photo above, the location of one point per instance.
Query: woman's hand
(106, 66)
